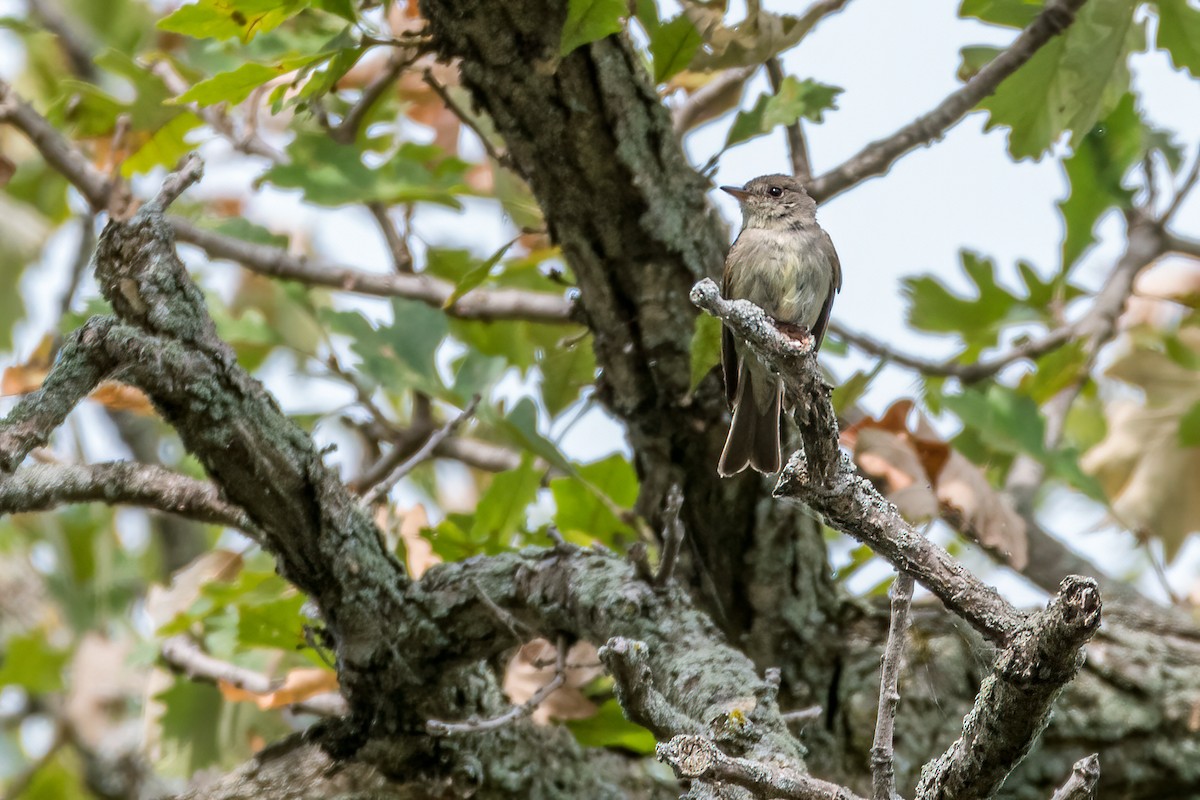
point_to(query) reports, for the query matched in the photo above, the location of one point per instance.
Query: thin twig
(1082, 783)
(797, 145)
(802, 715)
(967, 373)
(402, 260)
(877, 157)
(673, 534)
(184, 655)
(189, 171)
(699, 758)
(883, 767)
(440, 728)
(347, 130)
(500, 157)
(380, 490)
(1183, 191)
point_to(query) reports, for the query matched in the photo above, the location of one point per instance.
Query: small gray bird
(785, 263)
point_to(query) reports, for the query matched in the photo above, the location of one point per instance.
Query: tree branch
(278, 263)
(1082, 783)
(826, 481)
(1013, 705)
(883, 757)
(797, 146)
(184, 655)
(695, 757)
(877, 157)
(42, 487)
(967, 373)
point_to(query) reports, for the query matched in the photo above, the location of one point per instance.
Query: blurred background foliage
(322, 119)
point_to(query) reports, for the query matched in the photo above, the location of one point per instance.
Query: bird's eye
(775, 191)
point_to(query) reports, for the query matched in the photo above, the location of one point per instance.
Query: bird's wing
(835, 286)
(729, 356)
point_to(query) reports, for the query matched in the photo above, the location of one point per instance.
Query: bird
(785, 263)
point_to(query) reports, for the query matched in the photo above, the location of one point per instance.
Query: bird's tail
(754, 434)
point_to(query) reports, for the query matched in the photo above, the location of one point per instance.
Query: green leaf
(1055, 371)
(1003, 419)
(566, 370)
(341, 8)
(276, 624)
(1179, 33)
(60, 778)
(672, 46)
(236, 85)
(501, 511)
(646, 12)
(795, 99)
(609, 728)
(587, 504)
(520, 427)
(935, 308)
(333, 174)
(164, 148)
(399, 356)
(190, 724)
(224, 19)
(476, 276)
(1068, 84)
(31, 663)
(1010, 13)
(705, 347)
(589, 21)
(1095, 172)
(1189, 427)
(849, 391)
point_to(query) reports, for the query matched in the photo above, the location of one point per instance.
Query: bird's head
(775, 202)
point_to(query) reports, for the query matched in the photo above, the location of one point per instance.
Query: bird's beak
(740, 194)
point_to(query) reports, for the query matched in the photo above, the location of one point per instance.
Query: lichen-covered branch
(1014, 702)
(825, 480)
(1082, 783)
(42, 487)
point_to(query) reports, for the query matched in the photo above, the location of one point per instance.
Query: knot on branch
(689, 756)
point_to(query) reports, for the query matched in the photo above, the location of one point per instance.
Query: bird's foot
(799, 333)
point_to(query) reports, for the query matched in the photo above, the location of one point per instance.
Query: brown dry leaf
(924, 477)
(28, 377)
(102, 682)
(1153, 481)
(419, 554)
(1160, 291)
(533, 667)
(299, 685)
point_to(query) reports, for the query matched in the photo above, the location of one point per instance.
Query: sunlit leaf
(672, 46)
(1070, 82)
(589, 504)
(1179, 33)
(1010, 13)
(29, 661)
(225, 19)
(795, 99)
(609, 728)
(590, 20)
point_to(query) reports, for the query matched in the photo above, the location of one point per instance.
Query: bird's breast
(787, 273)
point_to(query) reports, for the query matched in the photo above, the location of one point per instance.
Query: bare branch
(1183, 191)
(399, 60)
(42, 487)
(439, 728)
(58, 152)
(711, 99)
(380, 490)
(628, 661)
(1082, 783)
(189, 171)
(877, 157)
(797, 145)
(500, 157)
(1013, 705)
(78, 49)
(402, 260)
(699, 758)
(967, 373)
(475, 304)
(672, 537)
(184, 655)
(825, 480)
(883, 766)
